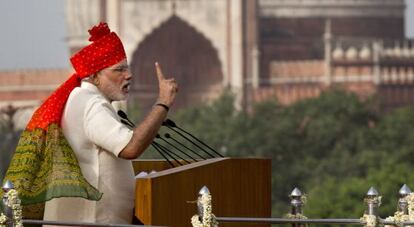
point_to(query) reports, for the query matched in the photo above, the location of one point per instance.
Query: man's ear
(94, 78)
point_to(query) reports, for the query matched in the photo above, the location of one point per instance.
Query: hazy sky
(33, 33)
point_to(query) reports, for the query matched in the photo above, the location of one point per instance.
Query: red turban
(105, 50)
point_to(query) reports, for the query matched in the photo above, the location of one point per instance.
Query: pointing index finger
(160, 75)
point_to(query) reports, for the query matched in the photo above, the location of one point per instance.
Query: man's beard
(114, 93)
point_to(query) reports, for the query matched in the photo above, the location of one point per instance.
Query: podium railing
(12, 212)
(370, 218)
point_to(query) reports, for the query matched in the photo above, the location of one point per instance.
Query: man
(102, 190)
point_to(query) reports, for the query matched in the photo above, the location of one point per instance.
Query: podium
(240, 187)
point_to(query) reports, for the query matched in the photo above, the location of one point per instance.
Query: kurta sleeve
(103, 128)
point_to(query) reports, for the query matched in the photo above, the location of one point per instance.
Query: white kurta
(95, 133)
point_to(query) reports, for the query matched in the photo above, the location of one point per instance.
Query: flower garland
(398, 218)
(369, 220)
(410, 201)
(3, 220)
(13, 202)
(209, 220)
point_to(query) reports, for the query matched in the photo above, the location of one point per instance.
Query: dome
(365, 53)
(351, 53)
(397, 50)
(338, 53)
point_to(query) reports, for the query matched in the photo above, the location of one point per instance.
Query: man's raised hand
(167, 87)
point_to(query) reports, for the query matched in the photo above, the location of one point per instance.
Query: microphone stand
(160, 148)
(172, 145)
(170, 152)
(168, 136)
(201, 142)
(171, 125)
(159, 151)
(188, 139)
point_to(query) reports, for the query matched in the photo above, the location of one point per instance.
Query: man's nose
(128, 75)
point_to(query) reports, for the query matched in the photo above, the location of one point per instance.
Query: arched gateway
(184, 54)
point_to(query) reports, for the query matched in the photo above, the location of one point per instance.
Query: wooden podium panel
(239, 188)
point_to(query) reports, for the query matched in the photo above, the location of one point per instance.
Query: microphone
(124, 117)
(127, 124)
(171, 125)
(168, 136)
(158, 147)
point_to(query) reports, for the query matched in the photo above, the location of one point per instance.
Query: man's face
(114, 81)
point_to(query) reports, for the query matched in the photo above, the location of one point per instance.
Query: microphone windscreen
(122, 114)
(170, 123)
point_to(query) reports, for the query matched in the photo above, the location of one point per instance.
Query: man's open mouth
(125, 88)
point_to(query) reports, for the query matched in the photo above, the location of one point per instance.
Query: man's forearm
(144, 133)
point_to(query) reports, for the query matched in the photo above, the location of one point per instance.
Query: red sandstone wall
(30, 85)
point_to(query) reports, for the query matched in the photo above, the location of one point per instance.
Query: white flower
(12, 197)
(370, 220)
(3, 219)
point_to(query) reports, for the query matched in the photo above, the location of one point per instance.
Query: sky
(33, 33)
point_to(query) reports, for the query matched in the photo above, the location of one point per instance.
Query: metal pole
(8, 211)
(372, 202)
(402, 201)
(296, 204)
(204, 190)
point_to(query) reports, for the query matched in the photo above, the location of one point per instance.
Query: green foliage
(343, 198)
(334, 147)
